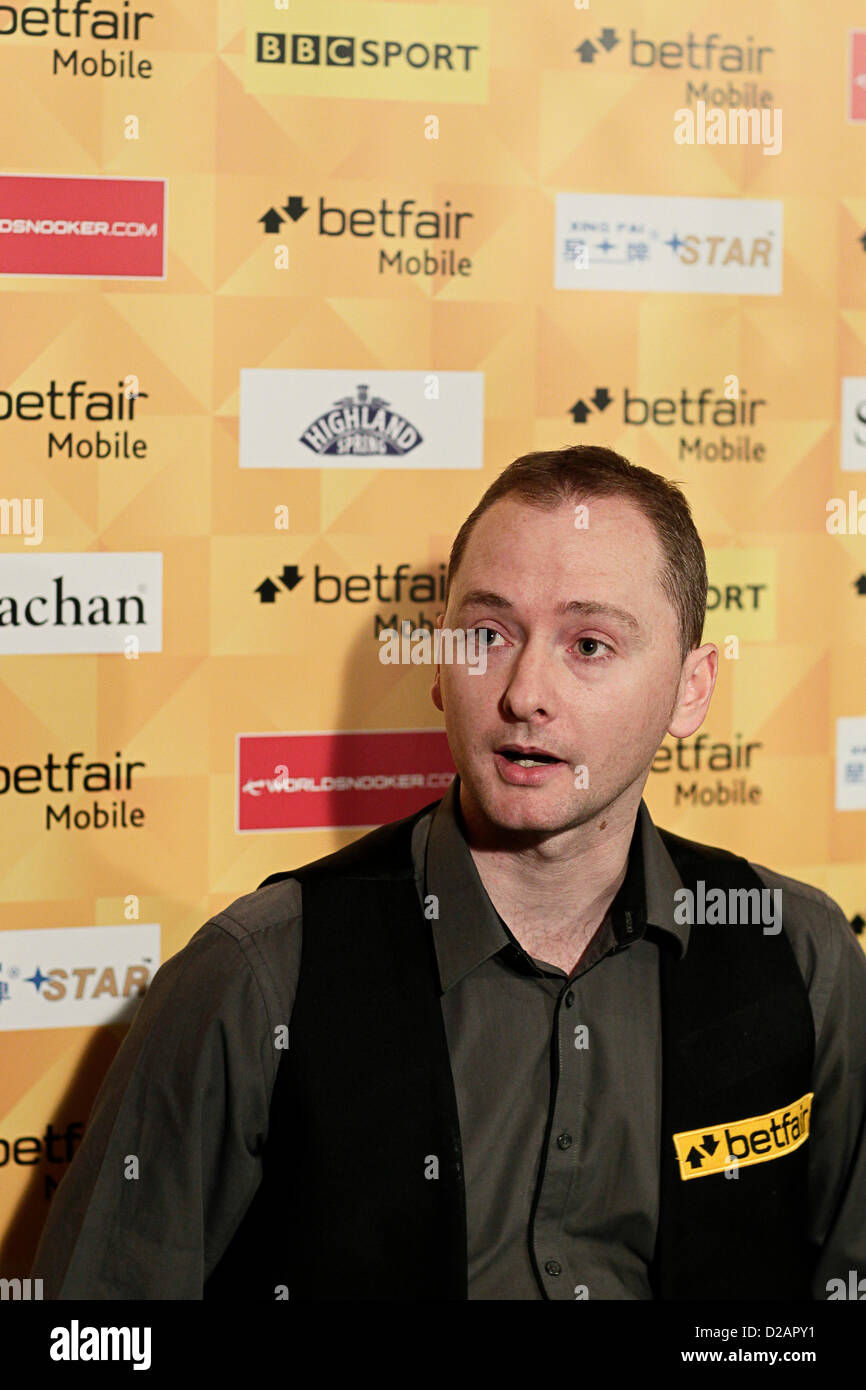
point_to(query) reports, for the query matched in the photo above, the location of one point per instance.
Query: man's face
(589, 687)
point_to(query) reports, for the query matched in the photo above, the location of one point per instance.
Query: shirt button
(564, 1140)
(569, 999)
(553, 1267)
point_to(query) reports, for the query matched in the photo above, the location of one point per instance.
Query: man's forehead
(547, 576)
(608, 510)
(544, 601)
(612, 535)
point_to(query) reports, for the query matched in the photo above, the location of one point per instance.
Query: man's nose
(531, 688)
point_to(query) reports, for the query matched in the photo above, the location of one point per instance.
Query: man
(515, 1068)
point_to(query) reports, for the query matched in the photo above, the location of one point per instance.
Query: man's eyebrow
(587, 608)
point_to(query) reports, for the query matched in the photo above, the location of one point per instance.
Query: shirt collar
(467, 928)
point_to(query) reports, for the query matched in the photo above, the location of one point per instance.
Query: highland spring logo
(362, 419)
(361, 424)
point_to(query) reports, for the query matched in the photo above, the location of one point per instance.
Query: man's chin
(523, 810)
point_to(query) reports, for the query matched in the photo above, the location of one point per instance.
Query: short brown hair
(582, 471)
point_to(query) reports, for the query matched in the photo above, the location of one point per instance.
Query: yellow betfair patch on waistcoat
(757, 1140)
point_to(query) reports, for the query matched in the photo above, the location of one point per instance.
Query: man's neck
(554, 895)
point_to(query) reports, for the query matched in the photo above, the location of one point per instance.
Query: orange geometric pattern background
(538, 123)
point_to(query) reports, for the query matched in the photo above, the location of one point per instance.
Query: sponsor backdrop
(284, 286)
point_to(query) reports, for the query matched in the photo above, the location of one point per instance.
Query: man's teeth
(532, 762)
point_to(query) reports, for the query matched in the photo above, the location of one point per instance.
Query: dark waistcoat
(364, 1108)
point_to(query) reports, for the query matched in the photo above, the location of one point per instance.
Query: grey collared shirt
(558, 1084)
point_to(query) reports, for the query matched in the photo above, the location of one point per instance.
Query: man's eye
(491, 630)
(596, 641)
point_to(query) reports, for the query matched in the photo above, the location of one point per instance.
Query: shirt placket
(561, 1151)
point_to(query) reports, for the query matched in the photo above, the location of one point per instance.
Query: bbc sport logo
(367, 50)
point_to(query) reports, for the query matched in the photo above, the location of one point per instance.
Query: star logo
(38, 979)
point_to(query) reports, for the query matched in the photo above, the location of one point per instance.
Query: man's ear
(435, 690)
(436, 693)
(697, 683)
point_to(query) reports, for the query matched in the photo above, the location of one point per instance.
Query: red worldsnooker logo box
(303, 781)
(107, 228)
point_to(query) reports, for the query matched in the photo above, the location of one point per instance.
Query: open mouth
(527, 759)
